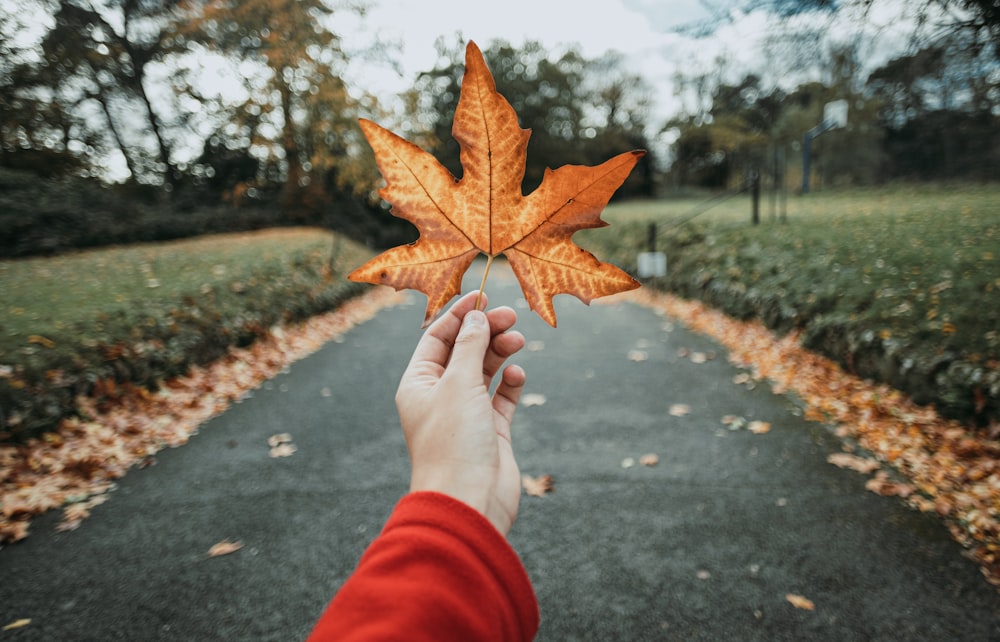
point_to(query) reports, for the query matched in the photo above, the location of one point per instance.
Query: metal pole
(755, 196)
(806, 150)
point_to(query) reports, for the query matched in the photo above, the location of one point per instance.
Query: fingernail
(474, 318)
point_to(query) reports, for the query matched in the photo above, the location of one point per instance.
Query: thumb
(470, 347)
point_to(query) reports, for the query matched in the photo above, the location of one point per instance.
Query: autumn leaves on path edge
(934, 465)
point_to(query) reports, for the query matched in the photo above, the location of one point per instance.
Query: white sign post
(834, 117)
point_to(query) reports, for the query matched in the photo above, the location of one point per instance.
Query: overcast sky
(640, 29)
(645, 31)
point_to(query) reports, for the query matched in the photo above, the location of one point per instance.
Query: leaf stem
(482, 286)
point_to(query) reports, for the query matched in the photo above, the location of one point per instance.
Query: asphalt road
(706, 545)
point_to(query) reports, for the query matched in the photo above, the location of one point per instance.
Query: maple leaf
(485, 211)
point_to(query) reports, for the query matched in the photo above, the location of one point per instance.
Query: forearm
(439, 571)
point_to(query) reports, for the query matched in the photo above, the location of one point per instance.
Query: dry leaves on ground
(853, 462)
(537, 486)
(949, 469)
(281, 445)
(649, 459)
(75, 466)
(16, 624)
(800, 602)
(532, 399)
(679, 410)
(225, 547)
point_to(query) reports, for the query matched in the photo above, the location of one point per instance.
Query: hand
(458, 437)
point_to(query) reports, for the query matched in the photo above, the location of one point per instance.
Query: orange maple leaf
(486, 213)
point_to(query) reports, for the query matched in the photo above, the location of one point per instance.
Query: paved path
(704, 546)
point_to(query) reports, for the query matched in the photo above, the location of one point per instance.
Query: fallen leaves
(532, 399)
(679, 410)
(17, 624)
(800, 602)
(225, 547)
(77, 466)
(649, 459)
(638, 355)
(946, 468)
(756, 426)
(537, 486)
(485, 212)
(281, 445)
(853, 462)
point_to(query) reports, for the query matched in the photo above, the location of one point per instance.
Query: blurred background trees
(243, 104)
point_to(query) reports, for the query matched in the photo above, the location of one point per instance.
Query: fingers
(504, 343)
(471, 344)
(508, 394)
(434, 347)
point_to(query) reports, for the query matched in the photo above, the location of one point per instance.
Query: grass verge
(96, 322)
(900, 285)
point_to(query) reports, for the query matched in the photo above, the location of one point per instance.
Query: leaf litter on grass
(75, 466)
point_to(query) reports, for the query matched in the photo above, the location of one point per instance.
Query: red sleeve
(438, 571)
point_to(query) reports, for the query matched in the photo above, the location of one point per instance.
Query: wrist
(468, 490)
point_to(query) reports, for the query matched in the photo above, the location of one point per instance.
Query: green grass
(900, 284)
(43, 296)
(138, 314)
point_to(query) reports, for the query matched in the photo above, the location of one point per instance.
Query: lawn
(140, 313)
(901, 284)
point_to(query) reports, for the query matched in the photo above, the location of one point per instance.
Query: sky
(647, 32)
(640, 29)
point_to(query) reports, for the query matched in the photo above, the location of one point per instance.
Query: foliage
(486, 213)
(298, 93)
(930, 113)
(579, 110)
(898, 284)
(937, 106)
(747, 127)
(131, 83)
(97, 60)
(93, 322)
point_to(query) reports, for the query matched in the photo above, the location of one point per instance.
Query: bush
(902, 290)
(150, 338)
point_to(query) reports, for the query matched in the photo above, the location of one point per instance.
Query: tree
(580, 111)
(298, 114)
(739, 127)
(938, 108)
(719, 144)
(89, 92)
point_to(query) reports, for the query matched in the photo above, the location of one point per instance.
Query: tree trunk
(290, 190)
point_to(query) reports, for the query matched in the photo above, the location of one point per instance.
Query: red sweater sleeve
(438, 571)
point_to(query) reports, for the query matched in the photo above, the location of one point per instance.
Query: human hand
(458, 437)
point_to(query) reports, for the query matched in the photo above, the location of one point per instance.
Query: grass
(140, 313)
(901, 284)
(47, 296)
